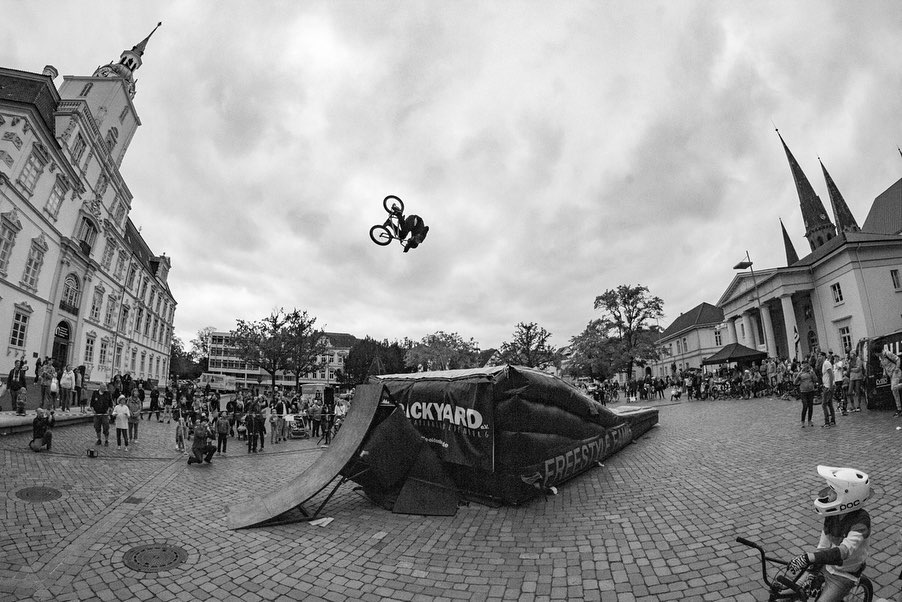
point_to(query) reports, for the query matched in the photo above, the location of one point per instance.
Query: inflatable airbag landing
(508, 433)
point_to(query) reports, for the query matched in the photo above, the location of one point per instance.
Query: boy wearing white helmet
(843, 546)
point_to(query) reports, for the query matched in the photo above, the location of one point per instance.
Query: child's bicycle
(390, 230)
(787, 585)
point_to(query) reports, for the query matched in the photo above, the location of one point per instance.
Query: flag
(795, 339)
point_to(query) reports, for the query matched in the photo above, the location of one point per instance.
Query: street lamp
(748, 264)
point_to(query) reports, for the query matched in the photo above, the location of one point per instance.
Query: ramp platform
(324, 470)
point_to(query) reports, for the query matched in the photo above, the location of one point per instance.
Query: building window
(86, 89)
(78, 148)
(120, 213)
(104, 352)
(152, 293)
(56, 198)
(33, 169)
(33, 266)
(159, 300)
(111, 137)
(112, 304)
(120, 265)
(845, 338)
(679, 348)
(71, 294)
(143, 289)
(123, 114)
(147, 326)
(96, 304)
(836, 289)
(158, 367)
(139, 317)
(718, 340)
(20, 329)
(143, 360)
(894, 275)
(118, 360)
(123, 318)
(9, 228)
(87, 235)
(685, 346)
(107, 259)
(89, 350)
(130, 281)
(153, 333)
(134, 359)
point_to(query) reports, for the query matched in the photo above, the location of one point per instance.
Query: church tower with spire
(109, 93)
(845, 221)
(818, 227)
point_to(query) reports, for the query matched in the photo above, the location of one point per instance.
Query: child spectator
(42, 435)
(21, 399)
(181, 433)
(222, 433)
(134, 408)
(121, 415)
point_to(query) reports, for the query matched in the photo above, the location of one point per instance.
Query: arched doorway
(61, 339)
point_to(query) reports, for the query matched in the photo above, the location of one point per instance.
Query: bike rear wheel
(380, 235)
(391, 200)
(863, 592)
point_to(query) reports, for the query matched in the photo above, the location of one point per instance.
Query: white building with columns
(847, 288)
(78, 282)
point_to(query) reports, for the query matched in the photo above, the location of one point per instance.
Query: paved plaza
(657, 522)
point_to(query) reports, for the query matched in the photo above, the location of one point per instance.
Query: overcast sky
(555, 149)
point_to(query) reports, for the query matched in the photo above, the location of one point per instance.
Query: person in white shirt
(827, 398)
(121, 415)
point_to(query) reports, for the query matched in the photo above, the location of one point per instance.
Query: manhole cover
(154, 557)
(38, 494)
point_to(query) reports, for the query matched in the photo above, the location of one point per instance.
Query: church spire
(140, 46)
(818, 227)
(791, 255)
(129, 62)
(845, 221)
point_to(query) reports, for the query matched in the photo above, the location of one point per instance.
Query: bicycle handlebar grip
(789, 584)
(746, 542)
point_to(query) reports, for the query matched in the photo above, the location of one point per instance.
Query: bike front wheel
(380, 235)
(863, 592)
(392, 201)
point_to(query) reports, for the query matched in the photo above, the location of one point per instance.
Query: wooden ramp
(320, 474)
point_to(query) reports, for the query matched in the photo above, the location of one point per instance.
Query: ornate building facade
(78, 282)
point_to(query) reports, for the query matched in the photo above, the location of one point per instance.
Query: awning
(734, 352)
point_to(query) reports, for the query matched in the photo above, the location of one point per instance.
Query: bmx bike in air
(383, 234)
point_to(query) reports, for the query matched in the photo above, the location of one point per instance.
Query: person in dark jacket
(201, 449)
(41, 430)
(15, 381)
(102, 404)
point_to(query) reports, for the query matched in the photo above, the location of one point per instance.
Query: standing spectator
(67, 388)
(81, 394)
(328, 418)
(134, 409)
(15, 381)
(260, 424)
(46, 377)
(154, 404)
(102, 404)
(840, 382)
(807, 384)
(827, 397)
(317, 416)
(201, 449)
(167, 404)
(139, 387)
(279, 431)
(856, 379)
(41, 431)
(251, 424)
(222, 433)
(181, 431)
(889, 361)
(121, 416)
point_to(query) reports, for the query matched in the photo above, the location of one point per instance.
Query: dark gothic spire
(845, 221)
(818, 227)
(791, 255)
(140, 46)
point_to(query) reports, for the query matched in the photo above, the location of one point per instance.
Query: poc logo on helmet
(851, 505)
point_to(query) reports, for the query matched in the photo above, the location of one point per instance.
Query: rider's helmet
(846, 491)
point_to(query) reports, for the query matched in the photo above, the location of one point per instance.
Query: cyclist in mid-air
(842, 551)
(411, 225)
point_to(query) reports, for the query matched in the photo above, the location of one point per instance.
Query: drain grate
(38, 494)
(154, 557)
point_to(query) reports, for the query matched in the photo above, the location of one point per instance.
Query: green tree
(369, 357)
(304, 344)
(182, 363)
(442, 351)
(200, 347)
(627, 313)
(263, 343)
(592, 353)
(529, 347)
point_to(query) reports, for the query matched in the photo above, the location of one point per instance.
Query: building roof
(701, 314)
(839, 240)
(141, 251)
(341, 340)
(30, 89)
(734, 352)
(885, 216)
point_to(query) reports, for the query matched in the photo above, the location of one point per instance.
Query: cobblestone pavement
(657, 522)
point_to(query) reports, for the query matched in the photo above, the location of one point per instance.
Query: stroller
(297, 427)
